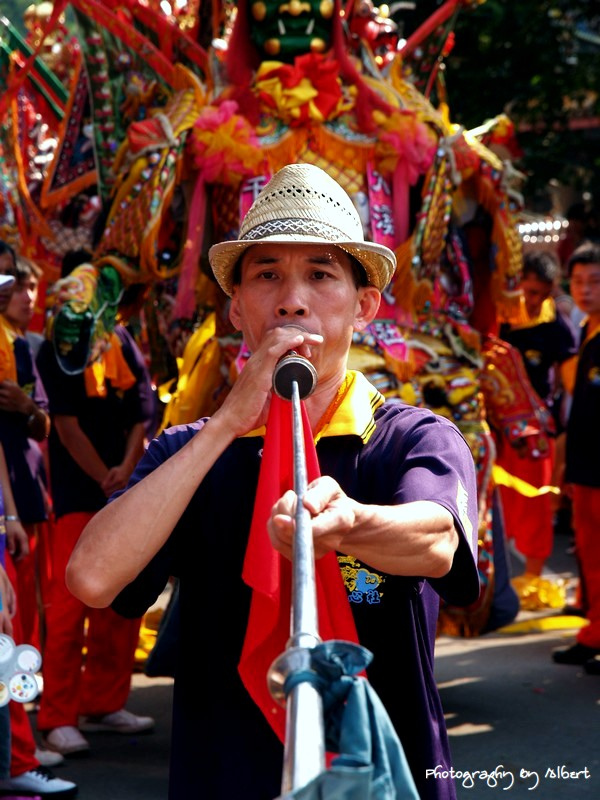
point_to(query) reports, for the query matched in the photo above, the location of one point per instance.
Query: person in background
(22, 306)
(396, 504)
(96, 440)
(9, 520)
(130, 306)
(28, 764)
(582, 468)
(32, 491)
(7, 600)
(546, 340)
(579, 229)
(15, 397)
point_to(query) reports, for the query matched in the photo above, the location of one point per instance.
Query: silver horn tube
(304, 749)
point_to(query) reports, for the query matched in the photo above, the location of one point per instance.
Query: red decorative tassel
(185, 299)
(270, 574)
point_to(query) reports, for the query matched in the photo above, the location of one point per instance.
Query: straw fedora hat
(302, 204)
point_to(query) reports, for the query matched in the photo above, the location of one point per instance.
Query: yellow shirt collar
(351, 414)
(592, 332)
(547, 314)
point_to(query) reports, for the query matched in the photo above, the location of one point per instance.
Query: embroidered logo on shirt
(594, 376)
(533, 357)
(363, 585)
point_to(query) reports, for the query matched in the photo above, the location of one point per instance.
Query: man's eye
(594, 283)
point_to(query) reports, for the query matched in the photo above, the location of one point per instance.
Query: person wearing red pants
(20, 767)
(546, 340)
(91, 699)
(96, 440)
(582, 472)
(24, 425)
(31, 486)
(27, 772)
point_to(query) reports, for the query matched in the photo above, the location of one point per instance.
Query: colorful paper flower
(308, 89)
(223, 145)
(403, 137)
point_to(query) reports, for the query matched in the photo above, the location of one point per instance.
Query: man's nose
(292, 303)
(293, 310)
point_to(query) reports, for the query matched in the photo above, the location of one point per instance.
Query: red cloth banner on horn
(269, 574)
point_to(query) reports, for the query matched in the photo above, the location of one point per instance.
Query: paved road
(508, 706)
(122, 767)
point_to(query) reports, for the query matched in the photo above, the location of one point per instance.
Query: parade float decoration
(162, 129)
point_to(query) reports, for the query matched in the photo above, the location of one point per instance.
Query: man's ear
(234, 311)
(368, 302)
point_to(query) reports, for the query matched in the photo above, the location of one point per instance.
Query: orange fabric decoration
(111, 366)
(8, 366)
(270, 574)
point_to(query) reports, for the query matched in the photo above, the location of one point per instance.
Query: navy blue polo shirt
(583, 426)
(542, 346)
(220, 740)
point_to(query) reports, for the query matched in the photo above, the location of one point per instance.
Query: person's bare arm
(417, 538)
(8, 603)
(17, 541)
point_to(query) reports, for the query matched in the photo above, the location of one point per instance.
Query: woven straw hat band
(295, 227)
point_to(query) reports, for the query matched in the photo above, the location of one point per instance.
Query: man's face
(21, 307)
(585, 288)
(7, 267)
(283, 30)
(311, 286)
(535, 292)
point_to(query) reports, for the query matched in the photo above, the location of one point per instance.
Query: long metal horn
(304, 752)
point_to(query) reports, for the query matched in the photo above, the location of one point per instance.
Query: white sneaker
(65, 739)
(122, 721)
(48, 758)
(39, 781)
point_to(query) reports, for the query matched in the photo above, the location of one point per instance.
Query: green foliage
(13, 10)
(539, 62)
